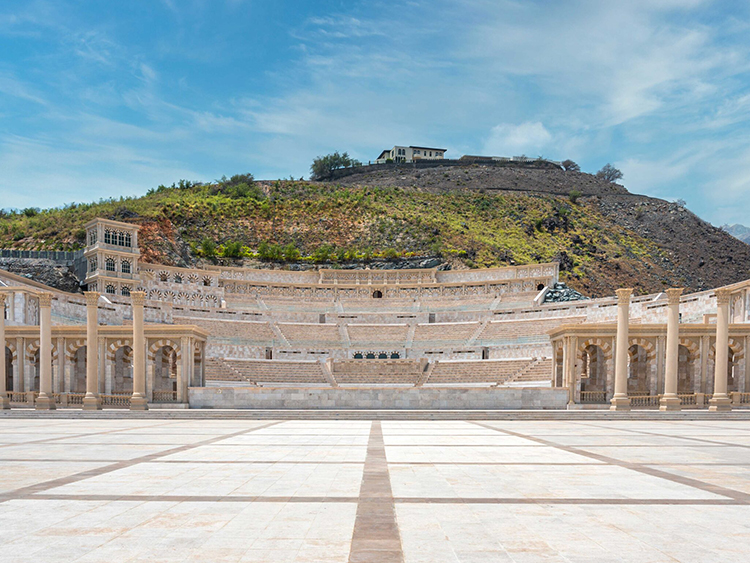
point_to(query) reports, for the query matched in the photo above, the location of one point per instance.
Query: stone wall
(452, 398)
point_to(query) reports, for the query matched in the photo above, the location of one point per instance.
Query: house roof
(427, 148)
(385, 153)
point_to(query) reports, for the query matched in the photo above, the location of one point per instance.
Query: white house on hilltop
(410, 154)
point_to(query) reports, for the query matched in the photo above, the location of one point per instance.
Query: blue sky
(101, 99)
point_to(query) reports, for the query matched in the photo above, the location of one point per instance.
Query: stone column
(4, 400)
(670, 401)
(92, 401)
(620, 401)
(45, 401)
(720, 400)
(138, 401)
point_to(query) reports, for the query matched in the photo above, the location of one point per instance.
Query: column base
(138, 404)
(670, 403)
(720, 403)
(619, 403)
(45, 403)
(92, 403)
(4, 402)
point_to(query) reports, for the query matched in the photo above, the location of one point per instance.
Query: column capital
(138, 298)
(45, 299)
(722, 296)
(92, 298)
(673, 295)
(623, 294)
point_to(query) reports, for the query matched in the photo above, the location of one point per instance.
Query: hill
(473, 216)
(738, 231)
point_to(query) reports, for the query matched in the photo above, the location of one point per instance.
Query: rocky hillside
(461, 217)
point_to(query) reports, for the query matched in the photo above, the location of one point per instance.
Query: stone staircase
(219, 370)
(535, 373)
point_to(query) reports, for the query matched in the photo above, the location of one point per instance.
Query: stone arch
(161, 343)
(686, 358)
(122, 370)
(604, 344)
(593, 358)
(647, 345)
(72, 346)
(639, 367)
(114, 346)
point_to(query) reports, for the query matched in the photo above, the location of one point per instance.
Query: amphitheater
(221, 337)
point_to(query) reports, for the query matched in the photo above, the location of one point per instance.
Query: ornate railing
(19, 397)
(116, 400)
(689, 399)
(644, 400)
(165, 396)
(593, 396)
(740, 398)
(76, 398)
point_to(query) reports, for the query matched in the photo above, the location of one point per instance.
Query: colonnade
(181, 347)
(669, 400)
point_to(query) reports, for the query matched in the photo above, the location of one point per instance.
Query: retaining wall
(421, 398)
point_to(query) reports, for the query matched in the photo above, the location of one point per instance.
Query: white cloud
(529, 138)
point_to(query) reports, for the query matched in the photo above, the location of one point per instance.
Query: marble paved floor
(432, 491)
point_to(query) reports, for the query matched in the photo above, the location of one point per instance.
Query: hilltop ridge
(460, 217)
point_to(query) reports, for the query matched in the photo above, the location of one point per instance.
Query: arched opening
(685, 371)
(8, 369)
(540, 287)
(559, 368)
(377, 294)
(78, 381)
(358, 356)
(382, 356)
(165, 369)
(35, 371)
(370, 356)
(395, 356)
(123, 375)
(638, 370)
(593, 374)
(732, 378)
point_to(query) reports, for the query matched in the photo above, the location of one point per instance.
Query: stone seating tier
(377, 372)
(269, 372)
(478, 371)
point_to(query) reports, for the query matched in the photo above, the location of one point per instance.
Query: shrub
(232, 250)
(609, 173)
(208, 248)
(574, 195)
(570, 166)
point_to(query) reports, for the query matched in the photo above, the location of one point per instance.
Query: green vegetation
(292, 221)
(322, 166)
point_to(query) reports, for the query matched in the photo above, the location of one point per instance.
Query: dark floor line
(376, 536)
(688, 438)
(646, 470)
(44, 486)
(301, 499)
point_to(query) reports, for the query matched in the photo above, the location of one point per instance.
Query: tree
(570, 166)
(322, 166)
(609, 173)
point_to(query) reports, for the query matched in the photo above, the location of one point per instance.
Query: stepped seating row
(367, 334)
(475, 372)
(539, 371)
(218, 370)
(511, 330)
(255, 331)
(445, 332)
(302, 333)
(377, 372)
(271, 372)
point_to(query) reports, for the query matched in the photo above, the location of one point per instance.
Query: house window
(177, 278)
(125, 291)
(120, 238)
(92, 265)
(110, 265)
(108, 237)
(110, 289)
(92, 237)
(430, 153)
(128, 240)
(125, 267)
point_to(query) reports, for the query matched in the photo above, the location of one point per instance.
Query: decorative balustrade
(76, 398)
(165, 396)
(740, 398)
(689, 399)
(644, 400)
(19, 397)
(593, 396)
(116, 400)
